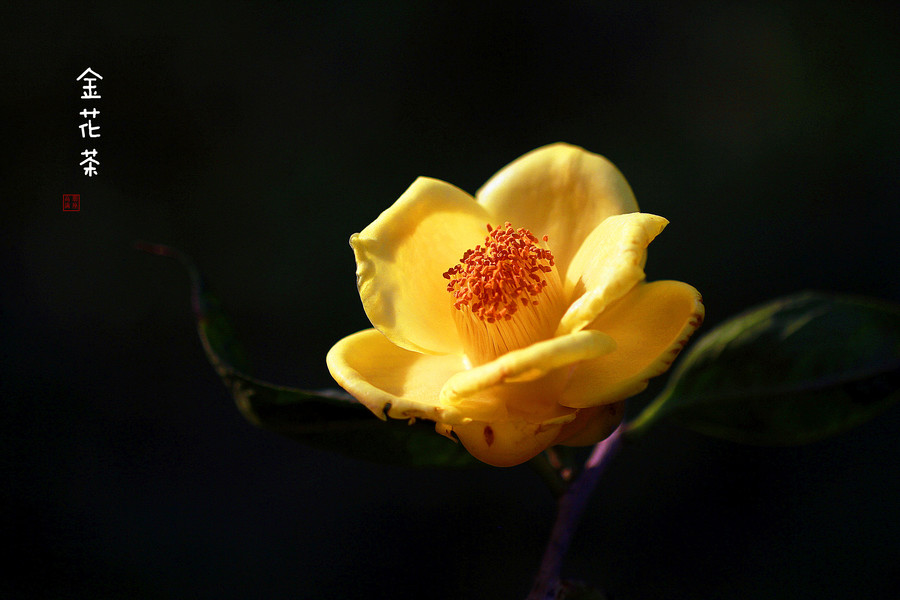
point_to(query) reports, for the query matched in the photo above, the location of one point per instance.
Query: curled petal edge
(523, 365)
(390, 381)
(675, 296)
(609, 263)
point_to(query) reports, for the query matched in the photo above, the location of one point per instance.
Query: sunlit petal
(392, 381)
(608, 264)
(523, 382)
(560, 191)
(651, 324)
(401, 257)
(506, 443)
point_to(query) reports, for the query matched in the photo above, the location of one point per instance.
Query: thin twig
(571, 506)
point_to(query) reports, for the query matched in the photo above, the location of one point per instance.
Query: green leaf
(327, 419)
(792, 371)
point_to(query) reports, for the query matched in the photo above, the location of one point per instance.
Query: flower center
(506, 293)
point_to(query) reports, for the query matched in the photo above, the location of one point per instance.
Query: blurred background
(257, 137)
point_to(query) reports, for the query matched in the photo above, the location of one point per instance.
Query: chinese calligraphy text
(89, 129)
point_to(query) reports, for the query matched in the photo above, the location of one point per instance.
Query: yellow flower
(517, 319)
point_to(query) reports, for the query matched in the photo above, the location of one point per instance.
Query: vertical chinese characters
(89, 129)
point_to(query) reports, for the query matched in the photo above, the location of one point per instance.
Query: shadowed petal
(592, 425)
(561, 191)
(651, 324)
(401, 257)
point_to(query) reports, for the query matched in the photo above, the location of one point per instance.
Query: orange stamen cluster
(492, 280)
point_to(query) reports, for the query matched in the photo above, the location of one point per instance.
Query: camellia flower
(517, 319)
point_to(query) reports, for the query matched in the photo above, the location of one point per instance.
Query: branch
(571, 506)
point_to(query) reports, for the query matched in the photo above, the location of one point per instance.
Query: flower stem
(570, 507)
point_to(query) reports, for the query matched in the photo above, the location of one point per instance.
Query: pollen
(505, 293)
(492, 280)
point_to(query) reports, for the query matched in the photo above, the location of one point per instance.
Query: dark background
(258, 136)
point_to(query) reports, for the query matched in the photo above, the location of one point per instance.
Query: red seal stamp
(71, 202)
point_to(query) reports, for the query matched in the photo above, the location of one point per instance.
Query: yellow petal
(401, 257)
(650, 324)
(561, 191)
(388, 379)
(517, 383)
(505, 443)
(608, 264)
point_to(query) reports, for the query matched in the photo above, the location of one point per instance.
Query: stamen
(506, 293)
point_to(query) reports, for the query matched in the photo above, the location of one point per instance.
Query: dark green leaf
(792, 371)
(329, 419)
